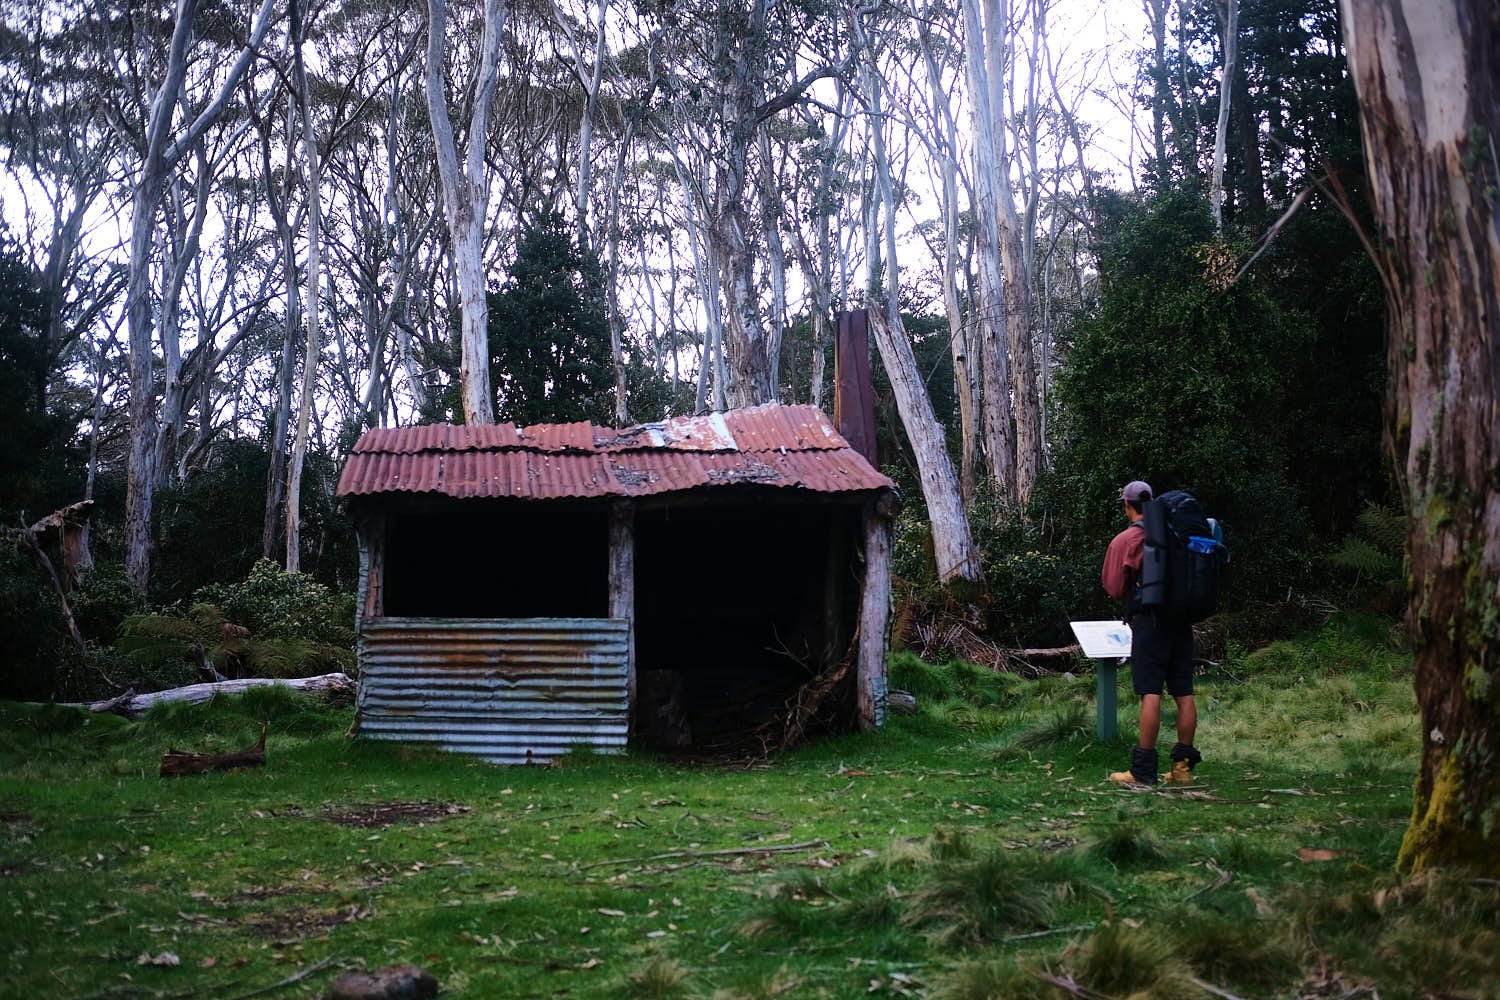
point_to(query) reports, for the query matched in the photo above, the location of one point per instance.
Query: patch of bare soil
(302, 922)
(365, 817)
(259, 892)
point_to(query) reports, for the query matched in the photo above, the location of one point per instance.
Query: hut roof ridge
(769, 445)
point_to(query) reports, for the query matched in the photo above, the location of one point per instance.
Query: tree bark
(335, 688)
(310, 310)
(739, 60)
(1229, 11)
(1156, 13)
(990, 331)
(176, 763)
(1428, 78)
(945, 132)
(158, 159)
(1016, 287)
(466, 195)
(953, 545)
(871, 683)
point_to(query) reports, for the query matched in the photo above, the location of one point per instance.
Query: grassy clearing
(971, 851)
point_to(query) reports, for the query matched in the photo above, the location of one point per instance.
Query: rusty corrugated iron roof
(771, 445)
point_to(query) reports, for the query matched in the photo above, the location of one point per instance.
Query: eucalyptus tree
(465, 186)
(729, 70)
(60, 155)
(1428, 77)
(953, 546)
(992, 319)
(818, 193)
(311, 312)
(1229, 16)
(938, 53)
(160, 143)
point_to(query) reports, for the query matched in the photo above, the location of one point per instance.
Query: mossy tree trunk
(1428, 77)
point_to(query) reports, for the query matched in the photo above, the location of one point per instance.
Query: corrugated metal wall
(509, 690)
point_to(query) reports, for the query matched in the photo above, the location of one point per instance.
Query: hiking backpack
(1183, 562)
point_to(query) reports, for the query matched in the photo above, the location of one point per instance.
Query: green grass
(973, 850)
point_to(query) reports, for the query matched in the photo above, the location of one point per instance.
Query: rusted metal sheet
(784, 446)
(532, 476)
(508, 690)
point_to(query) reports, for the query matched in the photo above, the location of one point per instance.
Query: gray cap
(1136, 492)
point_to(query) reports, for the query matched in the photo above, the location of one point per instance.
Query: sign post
(1108, 644)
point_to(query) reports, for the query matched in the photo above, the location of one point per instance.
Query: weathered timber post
(370, 601)
(875, 610)
(622, 590)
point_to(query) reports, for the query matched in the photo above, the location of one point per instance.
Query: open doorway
(737, 606)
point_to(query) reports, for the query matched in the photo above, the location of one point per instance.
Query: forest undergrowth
(972, 850)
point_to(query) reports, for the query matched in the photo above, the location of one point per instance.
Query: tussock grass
(968, 903)
(1240, 948)
(1051, 727)
(988, 979)
(784, 982)
(955, 680)
(660, 978)
(1441, 930)
(1062, 724)
(1126, 841)
(1124, 961)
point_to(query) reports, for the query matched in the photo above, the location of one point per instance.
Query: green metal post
(1106, 726)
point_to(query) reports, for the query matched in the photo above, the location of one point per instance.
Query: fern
(150, 642)
(1375, 551)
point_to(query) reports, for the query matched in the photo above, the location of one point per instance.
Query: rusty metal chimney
(853, 391)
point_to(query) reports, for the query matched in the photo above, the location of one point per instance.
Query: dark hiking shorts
(1161, 654)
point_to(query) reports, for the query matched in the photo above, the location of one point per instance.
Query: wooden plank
(373, 553)
(622, 587)
(853, 391)
(874, 615)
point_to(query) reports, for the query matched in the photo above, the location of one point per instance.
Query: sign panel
(1103, 640)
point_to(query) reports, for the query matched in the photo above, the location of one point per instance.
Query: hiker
(1161, 651)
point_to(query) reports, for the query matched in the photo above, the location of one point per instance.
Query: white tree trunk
(159, 158)
(945, 131)
(989, 325)
(1426, 72)
(466, 195)
(310, 311)
(1229, 10)
(952, 543)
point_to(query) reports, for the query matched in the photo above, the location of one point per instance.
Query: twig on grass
(1068, 985)
(1224, 877)
(1049, 931)
(295, 977)
(1211, 988)
(729, 852)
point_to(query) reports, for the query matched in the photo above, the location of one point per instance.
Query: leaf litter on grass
(920, 821)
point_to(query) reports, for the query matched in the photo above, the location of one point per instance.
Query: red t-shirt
(1122, 561)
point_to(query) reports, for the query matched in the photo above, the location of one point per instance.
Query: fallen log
(175, 763)
(335, 688)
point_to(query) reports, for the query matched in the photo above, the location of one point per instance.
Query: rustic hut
(685, 583)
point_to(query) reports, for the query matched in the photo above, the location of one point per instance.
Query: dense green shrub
(1177, 376)
(1036, 586)
(102, 601)
(209, 526)
(167, 649)
(35, 638)
(273, 604)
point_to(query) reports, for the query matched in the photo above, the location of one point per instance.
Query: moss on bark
(1440, 835)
